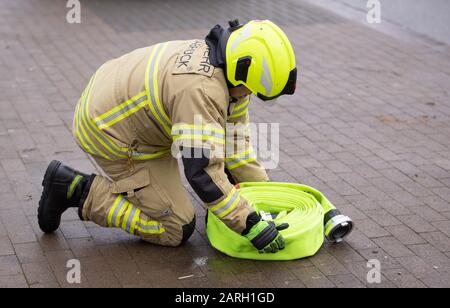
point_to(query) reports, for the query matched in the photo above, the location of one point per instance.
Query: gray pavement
(369, 127)
(426, 17)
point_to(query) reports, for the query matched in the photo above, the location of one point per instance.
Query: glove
(265, 237)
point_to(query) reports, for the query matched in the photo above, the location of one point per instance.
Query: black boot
(64, 187)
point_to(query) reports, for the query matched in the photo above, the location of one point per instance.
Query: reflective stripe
(197, 133)
(226, 205)
(240, 114)
(98, 135)
(241, 106)
(130, 216)
(142, 156)
(115, 218)
(84, 137)
(198, 137)
(134, 220)
(208, 128)
(122, 111)
(129, 207)
(149, 227)
(242, 162)
(113, 212)
(151, 83)
(240, 109)
(86, 123)
(73, 185)
(240, 159)
(266, 78)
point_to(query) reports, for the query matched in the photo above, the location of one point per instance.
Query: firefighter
(141, 111)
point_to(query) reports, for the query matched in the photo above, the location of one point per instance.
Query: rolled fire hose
(307, 211)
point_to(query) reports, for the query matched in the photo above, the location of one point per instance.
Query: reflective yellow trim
(189, 137)
(88, 131)
(241, 163)
(112, 210)
(155, 84)
(116, 151)
(135, 219)
(241, 106)
(83, 114)
(129, 207)
(240, 154)
(181, 126)
(78, 133)
(120, 110)
(151, 156)
(120, 214)
(77, 121)
(240, 159)
(226, 205)
(150, 227)
(230, 208)
(151, 86)
(240, 114)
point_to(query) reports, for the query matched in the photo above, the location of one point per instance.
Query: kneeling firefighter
(137, 108)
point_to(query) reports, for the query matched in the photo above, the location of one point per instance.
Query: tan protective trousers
(144, 198)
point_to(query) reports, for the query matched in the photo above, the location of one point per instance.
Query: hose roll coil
(301, 206)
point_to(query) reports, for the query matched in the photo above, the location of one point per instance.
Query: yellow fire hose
(307, 211)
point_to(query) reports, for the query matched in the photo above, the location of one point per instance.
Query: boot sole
(43, 203)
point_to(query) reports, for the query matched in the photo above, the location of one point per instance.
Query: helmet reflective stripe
(245, 34)
(266, 78)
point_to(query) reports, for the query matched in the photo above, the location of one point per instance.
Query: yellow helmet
(259, 56)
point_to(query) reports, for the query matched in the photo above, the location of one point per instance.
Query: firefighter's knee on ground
(174, 234)
(188, 230)
(177, 238)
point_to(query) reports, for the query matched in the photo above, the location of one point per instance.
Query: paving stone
(357, 240)
(9, 266)
(74, 229)
(6, 248)
(311, 277)
(439, 240)
(383, 218)
(417, 223)
(440, 281)
(402, 279)
(370, 228)
(38, 273)
(15, 281)
(418, 267)
(431, 255)
(393, 247)
(83, 247)
(346, 281)
(361, 270)
(29, 253)
(328, 264)
(386, 261)
(405, 235)
(443, 226)
(58, 259)
(380, 152)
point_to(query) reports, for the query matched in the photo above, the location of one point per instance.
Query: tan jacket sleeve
(241, 160)
(198, 129)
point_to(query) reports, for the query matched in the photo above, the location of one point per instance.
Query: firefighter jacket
(167, 99)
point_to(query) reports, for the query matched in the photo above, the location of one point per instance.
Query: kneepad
(188, 229)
